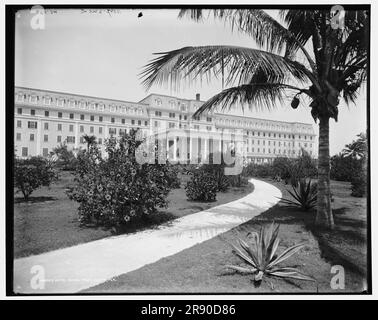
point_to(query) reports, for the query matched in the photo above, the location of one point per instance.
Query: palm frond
(300, 23)
(257, 95)
(262, 27)
(286, 254)
(238, 63)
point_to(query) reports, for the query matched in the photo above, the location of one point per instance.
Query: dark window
(60, 115)
(139, 122)
(70, 139)
(32, 112)
(45, 152)
(24, 151)
(123, 121)
(47, 113)
(132, 121)
(71, 115)
(92, 118)
(19, 110)
(113, 120)
(32, 124)
(45, 138)
(100, 118)
(46, 126)
(59, 139)
(82, 117)
(146, 123)
(19, 124)
(32, 137)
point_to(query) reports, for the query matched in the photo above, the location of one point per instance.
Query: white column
(205, 150)
(174, 148)
(38, 137)
(76, 135)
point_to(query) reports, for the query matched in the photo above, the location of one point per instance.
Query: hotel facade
(45, 119)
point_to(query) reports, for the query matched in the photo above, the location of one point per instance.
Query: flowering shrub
(201, 187)
(30, 174)
(116, 190)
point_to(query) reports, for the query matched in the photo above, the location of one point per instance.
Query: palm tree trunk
(324, 216)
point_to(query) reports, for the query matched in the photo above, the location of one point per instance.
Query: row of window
(267, 126)
(34, 124)
(274, 135)
(98, 106)
(69, 139)
(172, 104)
(82, 117)
(284, 143)
(293, 152)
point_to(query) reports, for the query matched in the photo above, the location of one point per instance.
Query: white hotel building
(44, 119)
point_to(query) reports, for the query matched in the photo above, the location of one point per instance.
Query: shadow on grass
(343, 245)
(146, 222)
(34, 199)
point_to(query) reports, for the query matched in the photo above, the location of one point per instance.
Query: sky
(102, 53)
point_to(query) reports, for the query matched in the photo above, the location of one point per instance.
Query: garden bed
(200, 269)
(49, 220)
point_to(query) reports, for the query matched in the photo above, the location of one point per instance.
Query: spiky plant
(304, 194)
(263, 259)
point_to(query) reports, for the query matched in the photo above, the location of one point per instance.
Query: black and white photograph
(182, 149)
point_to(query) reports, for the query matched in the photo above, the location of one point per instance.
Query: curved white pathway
(72, 269)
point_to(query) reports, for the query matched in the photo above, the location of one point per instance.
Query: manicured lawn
(49, 220)
(200, 269)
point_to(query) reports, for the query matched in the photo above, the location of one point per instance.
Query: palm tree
(89, 140)
(305, 57)
(357, 149)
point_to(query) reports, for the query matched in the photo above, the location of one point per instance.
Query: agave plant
(263, 259)
(304, 194)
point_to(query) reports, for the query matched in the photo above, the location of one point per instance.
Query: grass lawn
(49, 220)
(200, 269)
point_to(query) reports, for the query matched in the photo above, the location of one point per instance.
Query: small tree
(89, 140)
(65, 158)
(30, 174)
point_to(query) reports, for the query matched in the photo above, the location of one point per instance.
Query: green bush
(359, 185)
(216, 170)
(33, 173)
(201, 187)
(116, 190)
(264, 170)
(344, 168)
(282, 168)
(237, 180)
